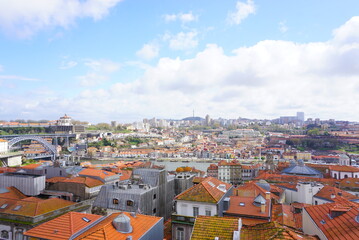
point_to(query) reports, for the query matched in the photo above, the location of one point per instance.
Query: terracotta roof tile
(32, 207)
(205, 191)
(334, 194)
(12, 193)
(62, 227)
(96, 173)
(337, 228)
(104, 230)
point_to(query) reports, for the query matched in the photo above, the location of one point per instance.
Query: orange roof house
(335, 221)
(63, 227)
(210, 190)
(105, 176)
(119, 226)
(122, 225)
(208, 228)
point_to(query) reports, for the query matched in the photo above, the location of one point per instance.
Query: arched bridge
(42, 141)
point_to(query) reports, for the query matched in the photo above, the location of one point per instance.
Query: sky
(124, 60)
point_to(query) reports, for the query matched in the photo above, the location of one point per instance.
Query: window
(195, 211)
(154, 196)
(180, 234)
(19, 235)
(115, 201)
(17, 207)
(316, 202)
(208, 212)
(4, 234)
(60, 173)
(154, 211)
(129, 203)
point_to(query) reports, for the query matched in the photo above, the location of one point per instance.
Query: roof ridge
(71, 220)
(209, 191)
(37, 207)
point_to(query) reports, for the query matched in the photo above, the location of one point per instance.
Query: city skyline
(127, 60)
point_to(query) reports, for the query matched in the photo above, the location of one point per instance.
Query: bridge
(51, 149)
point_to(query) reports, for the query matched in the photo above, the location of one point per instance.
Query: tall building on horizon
(300, 116)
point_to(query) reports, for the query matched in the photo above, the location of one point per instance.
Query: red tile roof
(243, 206)
(96, 173)
(12, 193)
(32, 207)
(338, 228)
(104, 230)
(344, 168)
(205, 191)
(334, 194)
(62, 227)
(207, 228)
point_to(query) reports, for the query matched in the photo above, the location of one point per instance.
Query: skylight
(242, 204)
(86, 219)
(322, 221)
(3, 206)
(211, 183)
(17, 207)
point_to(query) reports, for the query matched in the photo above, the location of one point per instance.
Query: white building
(4, 145)
(205, 198)
(341, 172)
(303, 192)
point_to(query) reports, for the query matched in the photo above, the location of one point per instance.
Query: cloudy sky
(124, 60)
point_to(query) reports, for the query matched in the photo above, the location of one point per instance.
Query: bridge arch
(42, 141)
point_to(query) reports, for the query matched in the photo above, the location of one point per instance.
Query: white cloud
(268, 79)
(68, 64)
(182, 17)
(148, 51)
(24, 18)
(99, 72)
(243, 10)
(283, 26)
(91, 79)
(19, 78)
(182, 40)
(102, 65)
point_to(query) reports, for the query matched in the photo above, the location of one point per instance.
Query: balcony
(183, 219)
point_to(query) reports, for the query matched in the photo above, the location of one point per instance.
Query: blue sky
(125, 60)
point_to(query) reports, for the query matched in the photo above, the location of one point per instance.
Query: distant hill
(193, 119)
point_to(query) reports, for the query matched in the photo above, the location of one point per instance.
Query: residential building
(150, 192)
(29, 184)
(223, 228)
(334, 221)
(205, 198)
(81, 188)
(121, 226)
(302, 192)
(342, 172)
(19, 213)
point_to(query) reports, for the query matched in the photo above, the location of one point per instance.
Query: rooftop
(63, 227)
(340, 227)
(209, 190)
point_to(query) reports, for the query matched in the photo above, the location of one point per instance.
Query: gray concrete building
(150, 192)
(29, 184)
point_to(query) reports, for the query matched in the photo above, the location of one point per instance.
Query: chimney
(268, 195)
(237, 234)
(263, 207)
